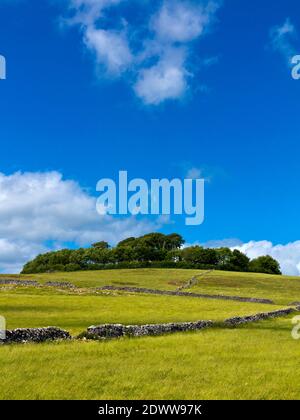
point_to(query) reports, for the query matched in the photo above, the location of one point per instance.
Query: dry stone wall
(187, 294)
(109, 331)
(37, 335)
(19, 282)
(260, 316)
(119, 330)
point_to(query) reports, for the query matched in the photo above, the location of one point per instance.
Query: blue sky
(134, 86)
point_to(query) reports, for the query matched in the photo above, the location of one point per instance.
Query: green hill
(257, 360)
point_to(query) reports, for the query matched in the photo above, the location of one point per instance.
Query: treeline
(152, 250)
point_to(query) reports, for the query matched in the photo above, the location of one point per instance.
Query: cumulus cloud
(42, 211)
(182, 21)
(287, 255)
(165, 80)
(13, 254)
(283, 40)
(158, 65)
(111, 49)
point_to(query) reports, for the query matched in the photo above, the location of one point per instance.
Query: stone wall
(119, 330)
(107, 331)
(64, 284)
(34, 283)
(37, 335)
(260, 316)
(187, 294)
(19, 282)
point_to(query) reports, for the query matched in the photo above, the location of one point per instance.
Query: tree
(239, 261)
(156, 241)
(224, 255)
(127, 242)
(101, 245)
(154, 248)
(199, 255)
(97, 256)
(265, 264)
(174, 241)
(122, 254)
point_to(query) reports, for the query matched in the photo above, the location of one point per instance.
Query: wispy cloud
(190, 170)
(283, 38)
(111, 49)
(153, 56)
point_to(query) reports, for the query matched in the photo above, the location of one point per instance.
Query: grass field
(40, 308)
(257, 361)
(282, 289)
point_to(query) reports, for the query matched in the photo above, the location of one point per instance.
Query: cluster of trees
(151, 250)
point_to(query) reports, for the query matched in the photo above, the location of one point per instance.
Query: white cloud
(287, 255)
(37, 209)
(86, 12)
(194, 173)
(165, 80)
(283, 40)
(13, 254)
(175, 25)
(165, 40)
(223, 243)
(111, 49)
(180, 21)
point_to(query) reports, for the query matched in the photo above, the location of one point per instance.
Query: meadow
(254, 361)
(281, 289)
(25, 308)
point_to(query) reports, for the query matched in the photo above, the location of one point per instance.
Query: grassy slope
(165, 279)
(253, 362)
(282, 289)
(29, 307)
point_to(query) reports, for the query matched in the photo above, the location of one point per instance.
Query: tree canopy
(151, 250)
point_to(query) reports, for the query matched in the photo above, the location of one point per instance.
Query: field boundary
(193, 281)
(111, 331)
(130, 289)
(186, 294)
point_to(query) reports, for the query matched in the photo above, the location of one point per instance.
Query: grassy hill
(282, 289)
(258, 360)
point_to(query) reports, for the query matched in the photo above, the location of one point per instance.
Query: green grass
(282, 289)
(259, 361)
(256, 361)
(164, 279)
(29, 307)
